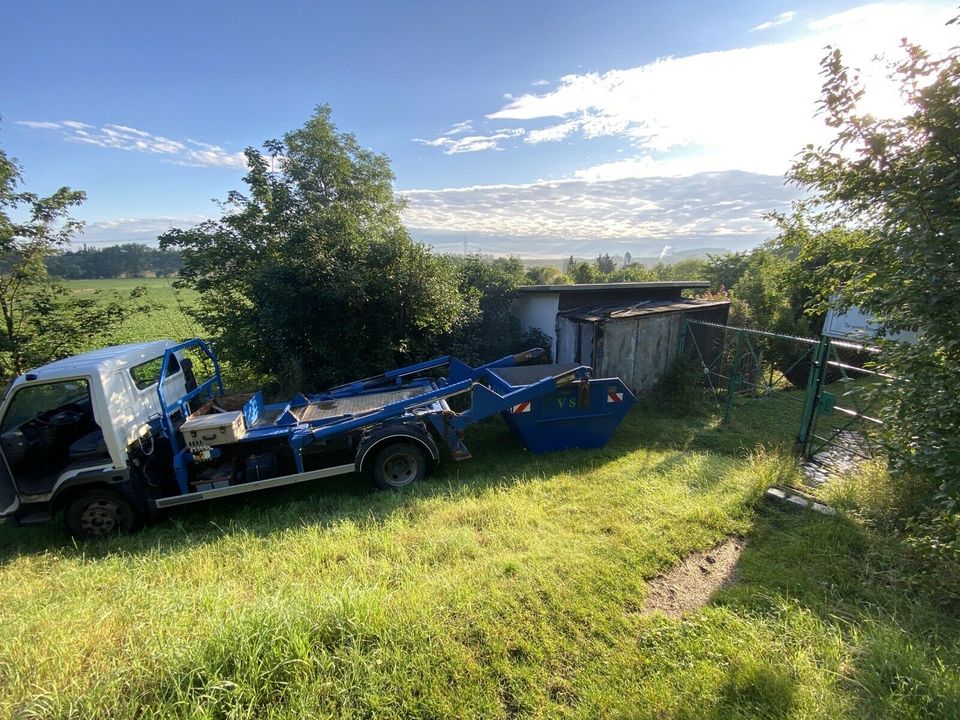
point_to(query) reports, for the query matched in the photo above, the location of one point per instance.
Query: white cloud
(552, 132)
(471, 143)
(781, 19)
(748, 109)
(540, 83)
(140, 229)
(39, 124)
(460, 127)
(718, 209)
(123, 137)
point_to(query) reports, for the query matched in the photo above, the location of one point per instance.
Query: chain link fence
(829, 382)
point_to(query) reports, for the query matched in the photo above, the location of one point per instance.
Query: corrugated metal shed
(634, 341)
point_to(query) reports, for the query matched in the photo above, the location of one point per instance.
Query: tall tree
(40, 319)
(897, 182)
(309, 276)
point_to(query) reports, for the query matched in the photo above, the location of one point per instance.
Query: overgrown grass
(167, 317)
(507, 586)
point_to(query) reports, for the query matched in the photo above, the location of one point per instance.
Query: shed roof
(643, 307)
(616, 287)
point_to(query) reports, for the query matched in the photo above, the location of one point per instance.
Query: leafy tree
(723, 271)
(630, 273)
(896, 182)
(127, 260)
(547, 275)
(488, 287)
(767, 287)
(582, 272)
(684, 269)
(41, 319)
(605, 264)
(310, 276)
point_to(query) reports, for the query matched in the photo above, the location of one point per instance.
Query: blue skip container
(579, 414)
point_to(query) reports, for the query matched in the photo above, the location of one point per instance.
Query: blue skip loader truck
(114, 436)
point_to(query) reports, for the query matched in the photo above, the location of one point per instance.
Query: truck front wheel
(98, 513)
(397, 465)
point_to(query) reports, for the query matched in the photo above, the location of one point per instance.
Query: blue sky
(534, 128)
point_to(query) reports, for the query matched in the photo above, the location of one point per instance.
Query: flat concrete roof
(617, 286)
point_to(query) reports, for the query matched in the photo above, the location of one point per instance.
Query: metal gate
(828, 380)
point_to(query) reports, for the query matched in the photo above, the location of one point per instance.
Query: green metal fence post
(815, 382)
(734, 379)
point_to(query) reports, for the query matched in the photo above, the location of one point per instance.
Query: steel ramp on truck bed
(326, 409)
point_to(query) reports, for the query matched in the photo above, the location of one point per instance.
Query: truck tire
(397, 465)
(98, 513)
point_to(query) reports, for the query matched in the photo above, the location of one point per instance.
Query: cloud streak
(469, 143)
(124, 137)
(781, 19)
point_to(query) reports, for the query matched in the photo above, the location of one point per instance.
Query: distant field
(166, 319)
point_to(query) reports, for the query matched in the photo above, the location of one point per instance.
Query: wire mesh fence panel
(830, 382)
(740, 363)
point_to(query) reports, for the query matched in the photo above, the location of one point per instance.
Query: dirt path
(690, 584)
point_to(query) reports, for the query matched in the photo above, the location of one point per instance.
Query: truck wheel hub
(100, 518)
(400, 468)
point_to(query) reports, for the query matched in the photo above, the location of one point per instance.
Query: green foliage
(605, 264)
(724, 271)
(582, 272)
(604, 270)
(40, 319)
(537, 338)
(547, 275)
(115, 261)
(490, 329)
(895, 182)
(310, 277)
(680, 388)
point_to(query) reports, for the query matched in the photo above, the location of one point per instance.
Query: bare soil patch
(699, 575)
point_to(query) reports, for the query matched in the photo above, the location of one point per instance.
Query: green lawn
(510, 585)
(166, 319)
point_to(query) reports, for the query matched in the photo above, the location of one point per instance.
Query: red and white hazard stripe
(614, 394)
(521, 408)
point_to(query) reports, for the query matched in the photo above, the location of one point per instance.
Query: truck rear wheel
(98, 513)
(397, 465)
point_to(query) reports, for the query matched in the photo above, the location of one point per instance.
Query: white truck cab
(72, 423)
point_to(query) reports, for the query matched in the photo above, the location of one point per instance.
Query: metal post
(815, 382)
(734, 379)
